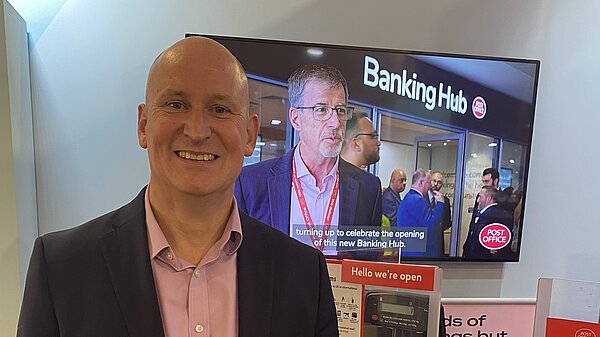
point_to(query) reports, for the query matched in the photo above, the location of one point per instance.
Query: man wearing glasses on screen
(361, 144)
(310, 191)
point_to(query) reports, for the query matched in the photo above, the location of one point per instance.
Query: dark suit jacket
(263, 191)
(96, 280)
(472, 246)
(415, 211)
(391, 201)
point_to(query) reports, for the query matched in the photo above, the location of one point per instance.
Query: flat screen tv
(455, 115)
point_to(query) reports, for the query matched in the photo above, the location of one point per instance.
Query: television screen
(439, 121)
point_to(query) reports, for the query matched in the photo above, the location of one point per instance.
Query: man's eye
(220, 110)
(175, 105)
(320, 109)
(340, 110)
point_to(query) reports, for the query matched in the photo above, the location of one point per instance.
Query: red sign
(479, 107)
(389, 274)
(494, 236)
(557, 327)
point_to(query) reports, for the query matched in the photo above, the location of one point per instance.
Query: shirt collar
(302, 170)
(229, 242)
(486, 207)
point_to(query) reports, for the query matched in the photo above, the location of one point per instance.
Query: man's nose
(333, 122)
(197, 125)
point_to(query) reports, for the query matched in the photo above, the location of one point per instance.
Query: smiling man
(311, 189)
(180, 259)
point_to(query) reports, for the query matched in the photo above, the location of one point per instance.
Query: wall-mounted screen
(453, 116)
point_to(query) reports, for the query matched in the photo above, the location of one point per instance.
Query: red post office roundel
(585, 333)
(494, 236)
(479, 107)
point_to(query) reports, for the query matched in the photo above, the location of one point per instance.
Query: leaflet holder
(377, 299)
(567, 308)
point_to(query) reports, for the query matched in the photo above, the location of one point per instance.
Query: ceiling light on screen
(429, 144)
(512, 161)
(275, 122)
(445, 143)
(314, 52)
(260, 143)
(492, 144)
(474, 155)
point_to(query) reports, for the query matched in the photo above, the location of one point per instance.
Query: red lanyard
(305, 212)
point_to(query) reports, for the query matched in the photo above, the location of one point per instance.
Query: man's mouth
(193, 156)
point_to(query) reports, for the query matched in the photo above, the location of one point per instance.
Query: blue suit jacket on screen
(415, 211)
(263, 191)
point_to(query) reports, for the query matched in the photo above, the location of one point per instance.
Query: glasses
(324, 112)
(372, 135)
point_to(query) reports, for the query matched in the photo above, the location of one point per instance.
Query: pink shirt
(316, 200)
(197, 300)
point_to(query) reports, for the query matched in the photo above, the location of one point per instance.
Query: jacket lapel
(280, 187)
(348, 194)
(126, 253)
(255, 282)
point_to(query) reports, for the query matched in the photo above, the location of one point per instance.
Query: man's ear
(252, 134)
(142, 123)
(294, 117)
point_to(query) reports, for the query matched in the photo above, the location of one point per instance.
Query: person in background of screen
(437, 182)
(391, 195)
(489, 177)
(334, 191)
(180, 259)
(488, 212)
(361, 141)
(416, 211)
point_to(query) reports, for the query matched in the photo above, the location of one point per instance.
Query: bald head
(195, 122)
(200, 53)
(398, 180)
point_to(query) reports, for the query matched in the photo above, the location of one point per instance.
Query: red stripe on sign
(394, 275)
(557, 327)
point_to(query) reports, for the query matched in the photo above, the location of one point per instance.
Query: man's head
(318, 96)
(195, 122)
(398, 181)
(421, 181)
(361, 142)
(487, 196)
(490, 177)
(437, 181)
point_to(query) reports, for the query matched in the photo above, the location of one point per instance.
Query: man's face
(437, 182)
(368, 141)
(195, 122)
(482, 200)
(399, 182)
(487, 180)
(319, 138)
(425, 184)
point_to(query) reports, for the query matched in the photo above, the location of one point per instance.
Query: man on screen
(437, 182)
(488, 212)
(180, 259)
(361, 142)
(391, 196)
(416, 212)
(490, 177)
(311, 187)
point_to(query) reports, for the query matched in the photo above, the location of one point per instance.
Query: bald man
(391, 195)
(180, 259)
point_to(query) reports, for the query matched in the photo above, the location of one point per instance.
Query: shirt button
(199, 328)
(197, 273)
(169, 256)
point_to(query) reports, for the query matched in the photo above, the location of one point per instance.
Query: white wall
(18, 217)
(89, 61)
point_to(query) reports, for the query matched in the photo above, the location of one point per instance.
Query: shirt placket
(199, 319)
